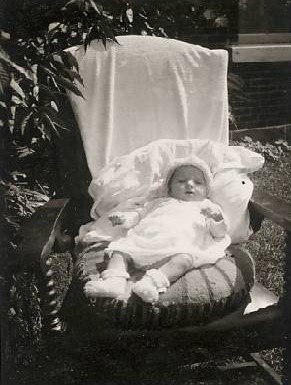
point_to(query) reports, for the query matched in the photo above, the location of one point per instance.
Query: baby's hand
(116, 218)
(212, 213)
(126, 220)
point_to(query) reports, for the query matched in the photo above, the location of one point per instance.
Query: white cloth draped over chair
(148, 88)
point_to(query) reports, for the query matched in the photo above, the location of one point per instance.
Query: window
(264, 16)
(264, 31)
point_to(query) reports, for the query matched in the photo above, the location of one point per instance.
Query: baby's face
(188, 184)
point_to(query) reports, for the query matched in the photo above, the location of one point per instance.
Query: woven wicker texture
(198, 297)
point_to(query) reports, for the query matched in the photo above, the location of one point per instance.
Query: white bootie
(112, 284)
(152, 283)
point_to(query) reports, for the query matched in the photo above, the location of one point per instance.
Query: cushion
(200, 296)
(232, 190)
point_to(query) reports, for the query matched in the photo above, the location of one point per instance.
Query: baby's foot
(112, 285)
(151, 284)
(146, 289)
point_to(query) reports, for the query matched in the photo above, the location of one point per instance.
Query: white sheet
(148, 88)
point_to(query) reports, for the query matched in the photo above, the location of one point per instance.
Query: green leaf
(48, 123)
(16, 87)
(4, 58)
(24, 151)
(109, 33)
(73, 5)
(44, 130)
(74, 75)
(55, 85)
(25, 122)
(54, 105)
(70, 59)
(51, 76)
(18, 117)
(62, 70)
(60, 80)
(94, 6)
(5, 77)
(89, 38)
(48, 93)
(11, 118)
(54, 116)
(49, 110)
(61, 126)
(68, 85)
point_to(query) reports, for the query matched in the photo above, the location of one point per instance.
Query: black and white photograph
(145, 192)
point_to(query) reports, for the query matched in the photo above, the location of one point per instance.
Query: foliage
(35, 73)
(20, 203)
(44, 70)
(24, 298)
(272, 152)
(173, 19)
(22, 343)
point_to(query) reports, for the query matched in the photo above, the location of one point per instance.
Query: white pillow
(232, 190)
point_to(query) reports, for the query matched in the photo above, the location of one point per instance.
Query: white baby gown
(169, 226)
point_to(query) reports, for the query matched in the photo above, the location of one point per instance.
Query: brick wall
(267, 95)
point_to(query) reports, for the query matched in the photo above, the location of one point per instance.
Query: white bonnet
(187, 161)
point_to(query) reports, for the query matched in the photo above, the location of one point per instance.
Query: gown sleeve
(218, 227)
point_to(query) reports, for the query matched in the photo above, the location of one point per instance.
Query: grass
(267, 246)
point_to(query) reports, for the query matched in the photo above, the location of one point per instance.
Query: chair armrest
(40, 232)
(44, 238)
(271, 207)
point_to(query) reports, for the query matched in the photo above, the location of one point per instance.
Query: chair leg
(256, 361)
(241, 364)
(51, 296)
(236, 365)
(268, 370)
(51, 321)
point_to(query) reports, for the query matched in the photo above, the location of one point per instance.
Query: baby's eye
(198, 182)
(181, 180)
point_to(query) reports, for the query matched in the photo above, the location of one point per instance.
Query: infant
(167, 236)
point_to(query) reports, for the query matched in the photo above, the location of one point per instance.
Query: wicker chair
(51, 273)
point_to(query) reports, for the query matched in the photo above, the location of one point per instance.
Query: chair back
(147, 88)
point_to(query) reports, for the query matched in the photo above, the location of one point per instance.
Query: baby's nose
(190, 183)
